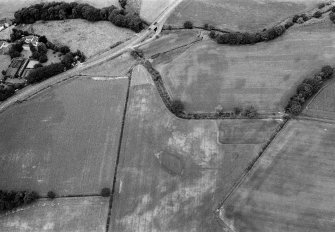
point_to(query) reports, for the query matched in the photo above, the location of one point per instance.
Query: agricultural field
(291, 187)
(116, 67)
(173, 173)
(242, 15)
(264, 75)
(323, 105)
(62, 214)
(91, 38)
(64, 139)
(8, 7)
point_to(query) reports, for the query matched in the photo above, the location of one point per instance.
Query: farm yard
(323, 105)
(264, 75)
(64, 139)
(63, 214)
(172, 173)
(291, 187)
(242, 15)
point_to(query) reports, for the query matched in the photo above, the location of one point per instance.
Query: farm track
(118, 152)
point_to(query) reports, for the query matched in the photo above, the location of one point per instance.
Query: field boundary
(250, 167)
(286, 23)
(167, 100)
(129, 74)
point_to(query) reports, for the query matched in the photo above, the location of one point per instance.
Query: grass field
(59, 215)
(244, 15)
(291, 188)
(323, 105)
(173, 173)
(264, 75)
(64, 139)
(116, 67)
(91, 38)
(8, 7)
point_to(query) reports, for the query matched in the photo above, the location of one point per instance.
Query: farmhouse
(31, 39)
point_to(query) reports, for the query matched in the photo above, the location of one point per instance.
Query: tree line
(307, 89)
(74, 10)
(13, 199)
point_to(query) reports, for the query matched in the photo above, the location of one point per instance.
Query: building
(4, 23)
(31, 39)
(3, 44)
(16, 67)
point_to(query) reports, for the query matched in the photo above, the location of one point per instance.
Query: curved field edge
(239, 76)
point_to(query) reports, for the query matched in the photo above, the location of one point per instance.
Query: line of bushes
(332, 15)
(74, 10)
(241, 38)
(13, 199)
(307, 89)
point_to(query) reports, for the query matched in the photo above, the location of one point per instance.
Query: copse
(73, 10)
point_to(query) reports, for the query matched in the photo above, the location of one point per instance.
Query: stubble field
(64, 139)
(173, 173)
(264, 75)
(291, 186)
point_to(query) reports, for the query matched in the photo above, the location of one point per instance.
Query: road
(144, 37)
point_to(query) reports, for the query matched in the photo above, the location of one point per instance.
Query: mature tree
(51, 195)
(105, 192)
(43, 58)
(42, 48)
(43, 39)
(64, 49)
(123, 3)
(327, 72)
(67, 60)
(188, 25)
(317, 14)
(177, 106)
